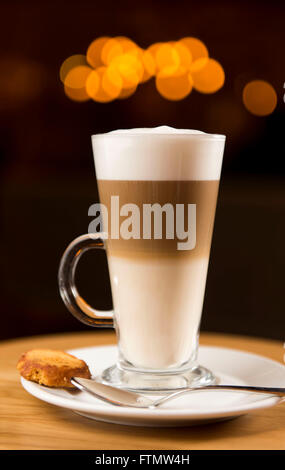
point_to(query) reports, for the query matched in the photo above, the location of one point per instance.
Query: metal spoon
(119, 397)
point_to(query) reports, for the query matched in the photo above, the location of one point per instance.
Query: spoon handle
(280, 392)
(272, 390)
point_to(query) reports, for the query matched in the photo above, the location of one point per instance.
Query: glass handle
(66, 280)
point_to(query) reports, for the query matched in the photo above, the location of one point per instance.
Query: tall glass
(158, 191)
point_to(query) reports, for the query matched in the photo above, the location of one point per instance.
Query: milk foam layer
(156, 130)
(161, 153)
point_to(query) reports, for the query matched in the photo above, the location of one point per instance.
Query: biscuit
(51, 367)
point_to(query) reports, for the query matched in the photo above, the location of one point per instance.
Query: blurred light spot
(210, 78)
(76, 77)
(259, 98)
(138, 63)
(127, 92)
(176, 86)
(130, 69)
(71, 62)
(167, 59)
(198, 50)
(112, 82)
(149, 66)
(94, 52)
(196, 47)
(198, 64)
(152, 50)
(111, 49)
(119, 65)
(76, 94)
(185, 55)
(127, 44)
(94, 86)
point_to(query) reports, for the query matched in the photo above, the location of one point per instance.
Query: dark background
(47, 172)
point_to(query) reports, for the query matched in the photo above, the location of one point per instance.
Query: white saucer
(229, 365)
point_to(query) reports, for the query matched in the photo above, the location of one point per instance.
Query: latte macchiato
(158, 191)
(157, 289)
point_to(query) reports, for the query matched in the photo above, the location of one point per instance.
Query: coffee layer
(201, 193)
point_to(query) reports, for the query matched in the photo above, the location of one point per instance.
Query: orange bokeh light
(198, 50)
(196, 47)
(112, 82)
(111, 49)
(149, 66)
(198, 64)
(167, 59)
(92, 84)
(76, 77)
(127, 92)
(69, 63)
(94, 52)
(176, 86)
(145, 63)
(76, 94)
(152, 50)
(115, 66)
(130, 69)
(210, 78)
(154, 47)
(259, 97)
(185, 55)
(104, 84)
(127, 44)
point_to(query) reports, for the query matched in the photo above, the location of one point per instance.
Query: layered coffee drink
(159, 189)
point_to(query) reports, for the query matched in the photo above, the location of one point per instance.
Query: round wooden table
(28, 423)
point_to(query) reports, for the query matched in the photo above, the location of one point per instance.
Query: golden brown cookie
(51, 367)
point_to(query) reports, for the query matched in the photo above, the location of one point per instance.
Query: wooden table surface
(28, 423)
